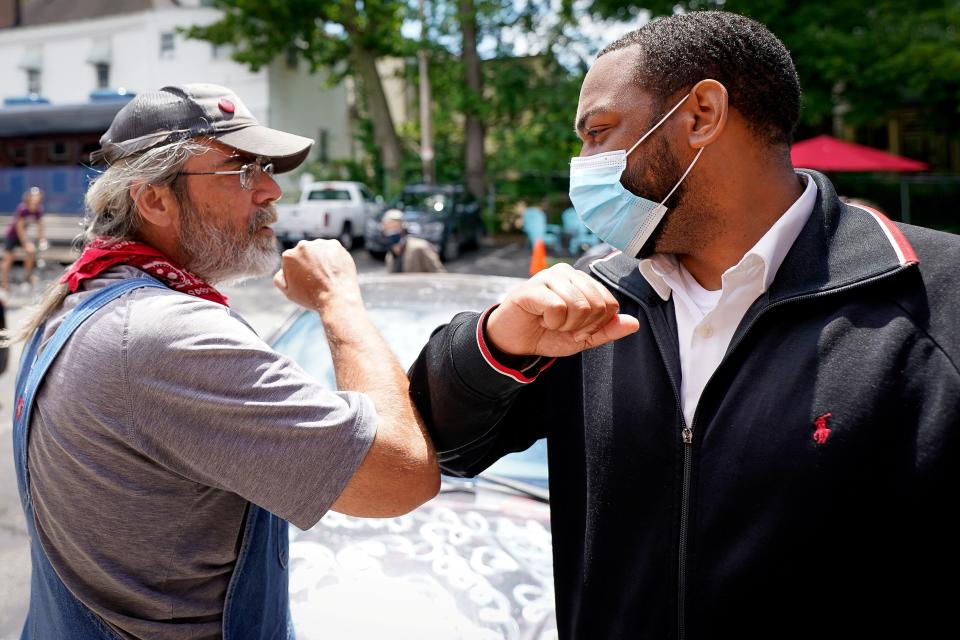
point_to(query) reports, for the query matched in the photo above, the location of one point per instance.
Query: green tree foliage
(344, 37)
(531, 114)
(870, 57)
(322, 32)
(527, 103)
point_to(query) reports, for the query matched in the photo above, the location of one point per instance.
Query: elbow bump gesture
(558, 312)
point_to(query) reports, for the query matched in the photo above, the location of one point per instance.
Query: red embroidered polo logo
(822, 431)
(226, 106)
(19, 407)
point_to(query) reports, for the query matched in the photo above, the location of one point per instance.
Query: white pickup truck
(327, 209)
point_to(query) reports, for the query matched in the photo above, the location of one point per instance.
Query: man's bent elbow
(420, 474)
(428, 487)
(391, 491)
(419, 487)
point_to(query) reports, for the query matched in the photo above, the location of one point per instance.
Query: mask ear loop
(684, 176)
(654, 128)
(654, 219)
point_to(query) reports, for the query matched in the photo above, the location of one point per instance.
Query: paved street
(262, 306)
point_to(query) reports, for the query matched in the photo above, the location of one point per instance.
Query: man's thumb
(620, 325)
(279, 281)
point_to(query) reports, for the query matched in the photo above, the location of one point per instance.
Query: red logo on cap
(226, 106)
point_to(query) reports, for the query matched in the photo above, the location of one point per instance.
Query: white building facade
(65, 62)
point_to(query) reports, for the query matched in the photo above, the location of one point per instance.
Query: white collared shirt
(707, 320)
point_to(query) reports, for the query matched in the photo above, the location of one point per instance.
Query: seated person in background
(408, 254)
(31, 207)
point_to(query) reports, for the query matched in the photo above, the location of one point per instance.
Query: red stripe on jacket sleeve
(500, 368)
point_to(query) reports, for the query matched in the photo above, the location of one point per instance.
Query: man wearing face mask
(407, 254)
(751, 408)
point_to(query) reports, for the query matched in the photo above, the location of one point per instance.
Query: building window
(17, 152)
(58, 151)
(323, 142)
(103, 75)
(166, 44)
(32, 63)
(33, 81)
(293, 58)
(100, 56)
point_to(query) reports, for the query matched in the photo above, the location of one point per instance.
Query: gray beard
(221, 255)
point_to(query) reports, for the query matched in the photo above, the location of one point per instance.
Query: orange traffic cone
(538, 261)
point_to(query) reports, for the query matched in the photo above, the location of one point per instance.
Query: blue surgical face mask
(393, 239)
(618, 217)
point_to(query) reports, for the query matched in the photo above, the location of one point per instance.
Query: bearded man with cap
(753, 416)
(161, 446)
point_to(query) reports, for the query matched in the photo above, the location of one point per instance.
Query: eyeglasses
(249, 173)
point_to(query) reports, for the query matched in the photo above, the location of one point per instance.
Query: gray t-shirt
(158, 421)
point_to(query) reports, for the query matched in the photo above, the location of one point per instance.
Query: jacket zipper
(686, 432)
(687, 435)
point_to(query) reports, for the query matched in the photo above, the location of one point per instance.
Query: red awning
(824, 153)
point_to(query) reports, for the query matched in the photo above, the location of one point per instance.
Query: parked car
(446, 215)
(332, 209)
(474, 562)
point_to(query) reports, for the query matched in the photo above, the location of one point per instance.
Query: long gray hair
(111, 211)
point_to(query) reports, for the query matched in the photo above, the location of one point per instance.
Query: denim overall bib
(256, 606)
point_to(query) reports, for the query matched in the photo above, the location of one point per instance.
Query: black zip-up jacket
(814, 493)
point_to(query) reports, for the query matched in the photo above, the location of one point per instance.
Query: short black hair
(678, 51)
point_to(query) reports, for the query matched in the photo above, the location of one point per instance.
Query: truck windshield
(433, 203)
(329, 194)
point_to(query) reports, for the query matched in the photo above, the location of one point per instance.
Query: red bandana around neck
(103, 253)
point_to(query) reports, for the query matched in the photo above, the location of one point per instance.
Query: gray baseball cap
(155, 118)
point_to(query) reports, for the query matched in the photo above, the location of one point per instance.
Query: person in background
(406, 253)
(31, 209)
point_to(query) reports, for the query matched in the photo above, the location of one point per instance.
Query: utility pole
(426, 132)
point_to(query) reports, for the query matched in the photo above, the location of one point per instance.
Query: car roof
(432, 188)
(333, 183)
(456, 290)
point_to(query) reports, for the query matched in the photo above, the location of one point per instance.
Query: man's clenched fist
(558, 312)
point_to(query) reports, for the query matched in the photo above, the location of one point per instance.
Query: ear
(709, 114)
(155, 203)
